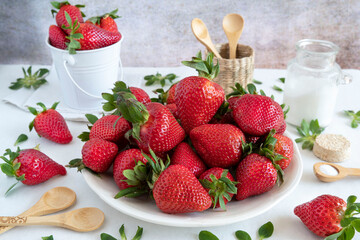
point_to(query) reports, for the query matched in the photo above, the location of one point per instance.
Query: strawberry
(50, 124)
(178, 191)
(171, 94)
(111, 128)
(127, 159)
(220, 185)
(185, 155)
(106, 21)
(57, 37)
(255, 175)
(173, 109)
(30, 166)
(73, 11)
(232, 101)
(252, 139)
(282, 128)
(284, 146)
(257, 114)
(140, 95)
(328, 215)
(196, 97)
(97, 156)
(219, 145)
(161, 132)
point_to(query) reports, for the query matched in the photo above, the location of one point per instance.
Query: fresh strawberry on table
(220, 184)
(185, 155)
(73, 11)
(57, 37)
(330, 216)
(50, 124)
(140, 95)
(106, 21)
(30, 166)
(198, 98)
(97, 156)
(285, 147)
(219, 145)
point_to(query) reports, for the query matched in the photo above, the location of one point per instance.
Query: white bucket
(88, 73)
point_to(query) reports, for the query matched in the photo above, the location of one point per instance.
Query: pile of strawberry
(72, 33)
(197, 149)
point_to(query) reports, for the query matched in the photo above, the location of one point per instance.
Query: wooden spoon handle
(12, 221)
(24, 221)
(353, 171)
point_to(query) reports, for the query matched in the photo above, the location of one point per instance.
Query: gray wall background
(158, 33)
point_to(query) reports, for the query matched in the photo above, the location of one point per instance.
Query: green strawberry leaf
(335, 235)
(242, 235)
(206, 235)
(30, 80)
(266, 230)
(22, 138)
(91, 118)
(277, 88)
(105, 236)
(257, 81)
(308, 133)
(138, 234)
(205, 68)
(48, 238)
(356, 224)
(355, 118)
(158, 78)
(282, 80)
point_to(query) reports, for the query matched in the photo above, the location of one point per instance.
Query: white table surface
(14, 121)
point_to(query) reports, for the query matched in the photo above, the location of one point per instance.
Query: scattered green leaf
(266, 230)
(308, 133)
(206, 235)
(138, 234)
(282, 80)
(31, 80)
(48, 238)
(277, 88)
(355, 118)
(242, 235)
(158, 78)
(22, 138)
(257, 81)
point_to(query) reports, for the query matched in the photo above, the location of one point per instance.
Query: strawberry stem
(206, 67)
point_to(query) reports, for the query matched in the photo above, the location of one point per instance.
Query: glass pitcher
(312, 80)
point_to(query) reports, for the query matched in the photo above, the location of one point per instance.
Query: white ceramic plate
(146, 210)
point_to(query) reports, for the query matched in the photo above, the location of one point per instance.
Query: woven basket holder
(238, 70)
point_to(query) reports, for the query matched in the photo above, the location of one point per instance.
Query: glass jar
(312, 80)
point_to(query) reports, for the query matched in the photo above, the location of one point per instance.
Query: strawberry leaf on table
(308, 133)
(282, 79)
(266, 230)
(206, 235)
(277, 88)
(22, 138)
(34, 80)
(257, 81)
(138, 234)
(48, 238)
(355, 117)
(158, 78)
(242, 235)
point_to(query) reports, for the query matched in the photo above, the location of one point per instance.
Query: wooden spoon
(54, 200)
(80, 220)
(342, 172)
(233, 25)
(201, 33)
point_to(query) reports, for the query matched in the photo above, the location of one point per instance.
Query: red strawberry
(232, 101)
(98, 154)
(178, 191)
(219, 145)
(282, 128)
(30, 166)
(173, 109)
(252, 139)
(123, 161)
(140, 95)
(95, 37)
(256, 114)
(106, 21)
(105, 128)
(224, 119)
(171, 94)
(50, 124)
(57, 37)
(323, 214)
(185, 155)
(284, 146)
(255, 175)
(161, 132)
(197, 98)
(73, 11)
(220, 185)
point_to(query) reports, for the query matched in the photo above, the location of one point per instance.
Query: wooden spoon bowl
(342, 172)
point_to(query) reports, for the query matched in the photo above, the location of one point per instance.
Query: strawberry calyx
(205, 68)
(349, 222)
(30, 79)
(220, 188)
(73, 44)
(97, 19)
(267, 149)
(58, 5)
(35, 112)
(143, 176)
(11, 166)
(126, 104)
(308, 133)
(79, 164)
(85, 136)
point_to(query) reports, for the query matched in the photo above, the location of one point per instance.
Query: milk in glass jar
(312, 80)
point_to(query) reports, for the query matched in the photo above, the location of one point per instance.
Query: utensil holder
(238, 70)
